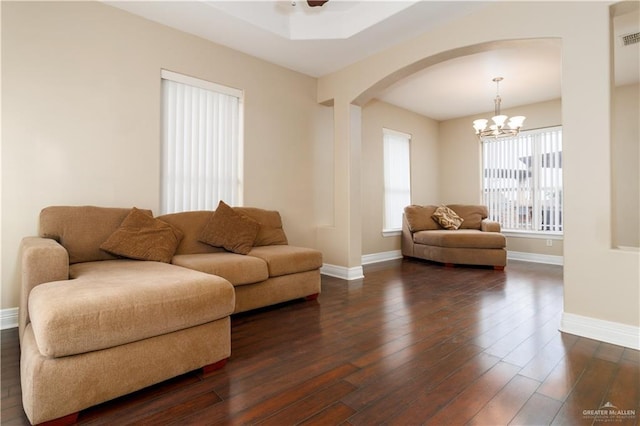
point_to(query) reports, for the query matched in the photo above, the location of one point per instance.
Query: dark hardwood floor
(412, 343)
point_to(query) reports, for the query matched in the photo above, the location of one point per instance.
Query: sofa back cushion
(471, 213)
(191, 224)
(82, 229)
(419, 218)
(271, 231)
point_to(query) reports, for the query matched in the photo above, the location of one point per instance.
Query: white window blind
(201, 144)
(397, 177)
(522, 180)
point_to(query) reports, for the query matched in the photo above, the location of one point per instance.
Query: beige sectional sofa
(477, 240)
(95, 324)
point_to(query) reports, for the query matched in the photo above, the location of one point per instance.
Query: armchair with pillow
(453, 234)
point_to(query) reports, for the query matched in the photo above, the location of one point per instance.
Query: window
(201, 144)
(397, 181)
(522, 180)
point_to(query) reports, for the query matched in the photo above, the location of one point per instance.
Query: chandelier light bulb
(516, 121)
(499, 120)
(480, 125)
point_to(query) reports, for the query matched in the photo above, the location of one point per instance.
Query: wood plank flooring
(412, 343)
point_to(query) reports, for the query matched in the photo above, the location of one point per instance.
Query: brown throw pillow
(447, 218)
(143, 237)
(230, 230)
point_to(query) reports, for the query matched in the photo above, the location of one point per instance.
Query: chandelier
(501, 127)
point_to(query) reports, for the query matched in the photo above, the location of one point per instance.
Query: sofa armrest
(406, 242)
(489, 226)
(42, 260)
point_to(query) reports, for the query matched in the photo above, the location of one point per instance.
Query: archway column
(341, 243)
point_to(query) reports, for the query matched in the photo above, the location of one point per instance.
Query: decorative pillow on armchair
(143, 237)
(230, 230)
(447, 218)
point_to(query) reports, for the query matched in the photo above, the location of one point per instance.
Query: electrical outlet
(549, 243)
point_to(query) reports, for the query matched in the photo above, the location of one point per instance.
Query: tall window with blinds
(397, 178)
(201, 144)
(522, 180)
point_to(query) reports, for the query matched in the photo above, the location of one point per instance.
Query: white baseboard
(368, 259)
(342, 272)
(513, 255)
(8, 318)
(536, 258)
(605, 331)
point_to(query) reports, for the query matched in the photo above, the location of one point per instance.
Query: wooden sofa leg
(498, 268)
(312, 296)
(207, 369)
(62, 421)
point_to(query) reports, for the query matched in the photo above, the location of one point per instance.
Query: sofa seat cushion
(110, 303)
(461, 238)
(236, 268)
(285, 259)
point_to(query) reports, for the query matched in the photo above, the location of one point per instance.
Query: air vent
(629, 39)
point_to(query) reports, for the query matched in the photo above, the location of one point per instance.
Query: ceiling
(321, 40)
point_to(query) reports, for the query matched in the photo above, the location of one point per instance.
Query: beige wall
(599, 282)
(535, 245)
(625, 166)
(81, 118)
(425, 168)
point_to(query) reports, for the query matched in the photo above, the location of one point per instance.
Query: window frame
(536, 202)
(386, 230)
(238, 148)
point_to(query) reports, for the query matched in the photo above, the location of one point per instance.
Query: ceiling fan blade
(314, 3)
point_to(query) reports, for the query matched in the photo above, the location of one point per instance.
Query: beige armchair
(477, 240)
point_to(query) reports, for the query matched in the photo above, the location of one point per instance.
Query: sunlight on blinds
(201, 147)
(522, 180)
(397, 180)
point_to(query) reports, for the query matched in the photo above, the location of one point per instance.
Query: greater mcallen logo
(608, 413)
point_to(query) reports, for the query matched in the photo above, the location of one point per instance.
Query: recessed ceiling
(235, 24)
(321, 40)
(295, 20)
(464, 86)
